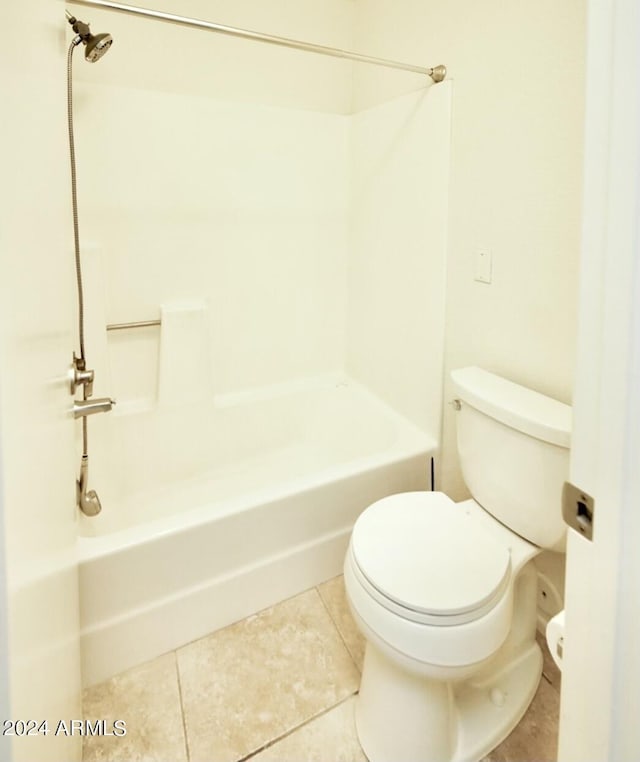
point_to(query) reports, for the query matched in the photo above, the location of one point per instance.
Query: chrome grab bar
(138, 324)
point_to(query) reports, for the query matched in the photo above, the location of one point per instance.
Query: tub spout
(82, 408)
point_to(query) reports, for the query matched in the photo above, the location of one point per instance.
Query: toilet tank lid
(516, 406)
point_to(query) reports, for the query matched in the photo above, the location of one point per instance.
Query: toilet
(445, 593)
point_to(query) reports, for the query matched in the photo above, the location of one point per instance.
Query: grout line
(287, 733)
(184, 722)
(335, 624)
(319, 714)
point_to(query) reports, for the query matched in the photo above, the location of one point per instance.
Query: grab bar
(139, 324)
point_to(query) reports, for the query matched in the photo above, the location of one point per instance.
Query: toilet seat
(421, 557)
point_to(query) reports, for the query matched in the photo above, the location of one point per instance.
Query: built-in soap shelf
(164, 362)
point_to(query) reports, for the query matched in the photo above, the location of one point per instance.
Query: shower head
(96, 45)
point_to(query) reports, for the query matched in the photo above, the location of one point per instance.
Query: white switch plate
(483, 265)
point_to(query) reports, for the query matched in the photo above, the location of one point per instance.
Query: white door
(601, 677)
(39, 644)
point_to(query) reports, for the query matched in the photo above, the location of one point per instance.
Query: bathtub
(214, 512)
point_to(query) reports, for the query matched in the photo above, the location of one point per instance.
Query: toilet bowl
(427, 644)
(445, 593)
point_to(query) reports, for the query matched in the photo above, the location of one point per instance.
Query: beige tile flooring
(278, 686)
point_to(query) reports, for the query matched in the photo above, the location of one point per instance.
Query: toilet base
(402, 717)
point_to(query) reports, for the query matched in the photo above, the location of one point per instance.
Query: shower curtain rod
(437, 73)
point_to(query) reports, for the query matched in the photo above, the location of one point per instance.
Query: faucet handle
(80, 376)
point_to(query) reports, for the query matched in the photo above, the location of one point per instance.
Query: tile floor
(278, 686)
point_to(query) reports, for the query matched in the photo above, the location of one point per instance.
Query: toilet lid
(421, 551)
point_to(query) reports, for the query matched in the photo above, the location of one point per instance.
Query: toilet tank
(513, 445)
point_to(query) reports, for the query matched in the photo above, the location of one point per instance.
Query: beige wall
(518, 81)
(37, 339)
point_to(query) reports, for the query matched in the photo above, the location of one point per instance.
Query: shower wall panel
(242, 205)
(304, 227)
(400, 173)
(216, 169)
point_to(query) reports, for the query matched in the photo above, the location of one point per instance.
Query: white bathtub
(213, 514)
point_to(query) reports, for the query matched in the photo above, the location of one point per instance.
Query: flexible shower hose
(76, 227)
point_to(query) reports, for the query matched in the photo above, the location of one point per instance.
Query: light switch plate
(483, 265)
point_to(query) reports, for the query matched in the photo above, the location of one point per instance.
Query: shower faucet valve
(80, 376)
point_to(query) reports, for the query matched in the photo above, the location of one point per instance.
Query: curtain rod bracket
(438, 73)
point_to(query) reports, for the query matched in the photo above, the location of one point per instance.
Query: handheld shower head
(96, 45)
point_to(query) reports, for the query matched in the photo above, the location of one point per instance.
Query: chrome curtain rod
(437, 73)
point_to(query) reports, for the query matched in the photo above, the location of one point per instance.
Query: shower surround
(312, 241)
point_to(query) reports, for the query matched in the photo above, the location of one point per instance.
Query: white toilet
(445, 593)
